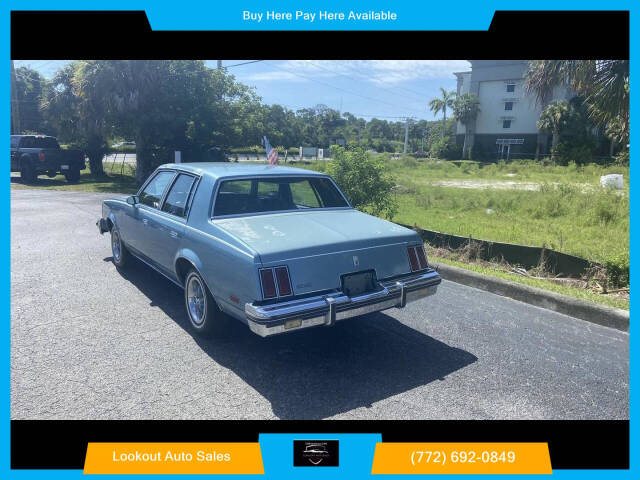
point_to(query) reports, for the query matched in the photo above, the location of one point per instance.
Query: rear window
(275, 194)
(39, 142)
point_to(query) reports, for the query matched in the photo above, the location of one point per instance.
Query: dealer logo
(315, 453)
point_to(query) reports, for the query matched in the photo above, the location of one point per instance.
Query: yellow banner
(461, 458)
(173, 458)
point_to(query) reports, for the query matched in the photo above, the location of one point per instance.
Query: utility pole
(406, 134)
(15, 108)
(219, 64)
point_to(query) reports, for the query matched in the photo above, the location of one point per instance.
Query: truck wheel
(28, 173)
(205, 316)
(72, 176)
(119, 253)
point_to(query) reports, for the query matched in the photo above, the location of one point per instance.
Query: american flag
(272, 155)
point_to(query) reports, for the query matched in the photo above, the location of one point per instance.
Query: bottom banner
(303, 455)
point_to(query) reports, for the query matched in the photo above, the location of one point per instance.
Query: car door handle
(145, 221)
(173, 234)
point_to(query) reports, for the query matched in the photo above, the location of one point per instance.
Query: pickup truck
(33, 155)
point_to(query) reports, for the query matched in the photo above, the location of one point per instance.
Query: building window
(508, 105)
(511, 87)
(506, 124)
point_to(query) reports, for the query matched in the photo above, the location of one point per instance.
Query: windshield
(275, 194)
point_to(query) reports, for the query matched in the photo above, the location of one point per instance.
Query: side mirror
(133, 200)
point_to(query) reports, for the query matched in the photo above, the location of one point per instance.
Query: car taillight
(41, 156)
(417, 258)
(284, 284)
(268, 283)
(422, 258)
(413, 259)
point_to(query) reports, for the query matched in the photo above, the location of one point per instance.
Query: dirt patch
(484, 184)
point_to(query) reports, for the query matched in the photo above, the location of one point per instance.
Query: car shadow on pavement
(319, 372)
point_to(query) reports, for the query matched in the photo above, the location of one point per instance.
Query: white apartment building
(506, 124)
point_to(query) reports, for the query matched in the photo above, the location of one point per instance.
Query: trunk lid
(321, 246)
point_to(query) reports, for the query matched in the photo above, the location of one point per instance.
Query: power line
(420, 94)
(243, 63)
(391, 89)
(375, 86)
(344, 89)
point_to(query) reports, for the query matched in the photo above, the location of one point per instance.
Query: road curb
(590, 312)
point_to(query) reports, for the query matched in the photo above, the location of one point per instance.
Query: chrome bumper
(326, 309)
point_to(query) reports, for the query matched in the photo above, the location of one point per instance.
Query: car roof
(33, 135)
(224, 169)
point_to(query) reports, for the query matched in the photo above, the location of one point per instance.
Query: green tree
(553, 119)
(604, 85)
(76, 116)
(164, 105)
(31, 88)
(363, 179)
(465, 110)
(440, 104)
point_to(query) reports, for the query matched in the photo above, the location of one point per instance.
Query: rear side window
(152, 193)
(275, 194)
(45, 142)
(303, 195)
(178, 196)
(27, 142)
(37, 142)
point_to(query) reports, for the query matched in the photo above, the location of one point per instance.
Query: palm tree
(553, 119)
(440, 104)
(604, 84)
(76, 114)
(465, 110)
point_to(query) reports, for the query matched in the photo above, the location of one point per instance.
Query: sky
(391, 89)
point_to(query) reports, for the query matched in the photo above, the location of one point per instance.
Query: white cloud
(380, 72)
(276, 75)
(398, 71)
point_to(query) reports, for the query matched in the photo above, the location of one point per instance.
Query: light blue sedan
(278, 248)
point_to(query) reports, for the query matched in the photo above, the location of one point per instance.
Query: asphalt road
(90, 343)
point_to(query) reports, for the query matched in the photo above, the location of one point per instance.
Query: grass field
(523, 202)
(114, 183)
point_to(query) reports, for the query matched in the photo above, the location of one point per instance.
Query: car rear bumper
(266, 320)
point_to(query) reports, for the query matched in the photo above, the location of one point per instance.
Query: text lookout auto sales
(171, 456)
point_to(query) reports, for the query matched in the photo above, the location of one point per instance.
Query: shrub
(617, 268)
(363, 179)
(622, 158)
(579, 151)
(409, 162)
(446, 148)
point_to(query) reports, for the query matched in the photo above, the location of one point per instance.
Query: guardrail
(526, 256)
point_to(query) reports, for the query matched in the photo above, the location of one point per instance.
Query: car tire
(72, 176)
(119, 254)
(205, 317)
(28, 173)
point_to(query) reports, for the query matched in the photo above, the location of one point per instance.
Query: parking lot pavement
(88, 342)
